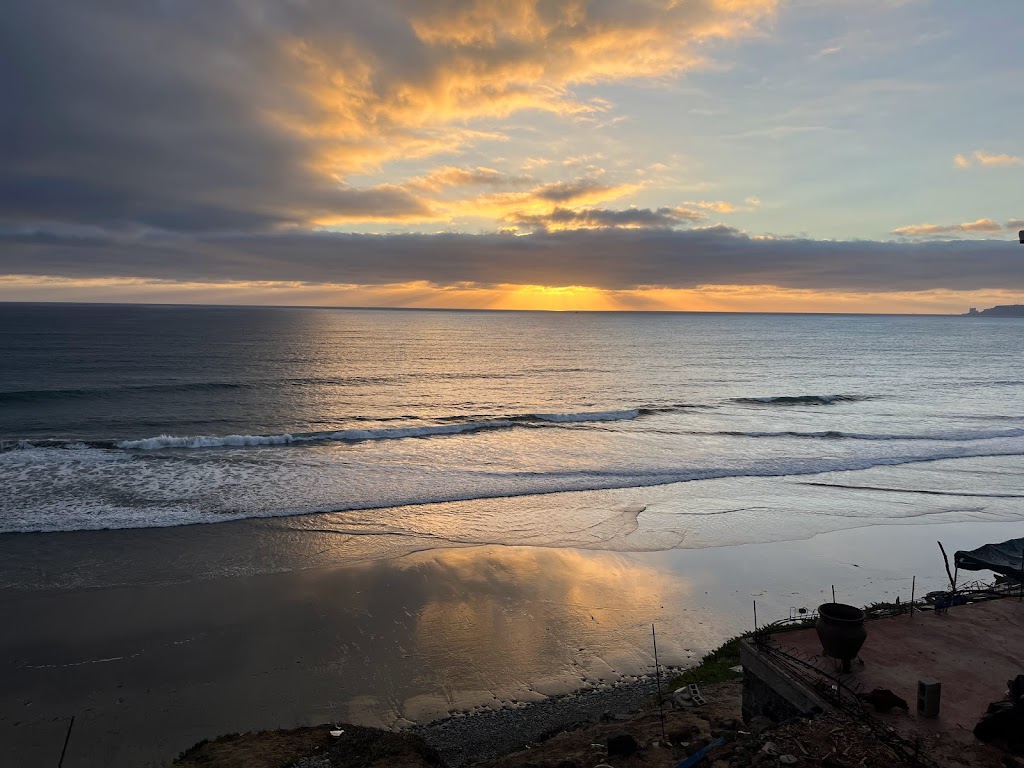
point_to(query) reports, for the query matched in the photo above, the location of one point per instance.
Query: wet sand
(150, 659)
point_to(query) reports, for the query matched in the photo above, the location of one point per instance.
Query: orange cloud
(364, 102)
(430, 198)
(918, 230)
(441, 179)
(543, 200)
(718, 206)
(982, 158)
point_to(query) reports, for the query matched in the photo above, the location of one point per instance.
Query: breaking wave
(203, 441)
(562, 418)
(454, 425)
(475, 424)
(802, 399)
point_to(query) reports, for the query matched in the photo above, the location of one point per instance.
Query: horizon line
(484, 309)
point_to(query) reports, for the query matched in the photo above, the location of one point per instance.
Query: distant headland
(1003, 310)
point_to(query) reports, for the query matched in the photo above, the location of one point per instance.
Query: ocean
(620, 431)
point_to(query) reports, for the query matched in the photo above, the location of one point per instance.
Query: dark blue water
(122, 416)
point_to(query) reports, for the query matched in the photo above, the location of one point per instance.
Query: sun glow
(565, 298)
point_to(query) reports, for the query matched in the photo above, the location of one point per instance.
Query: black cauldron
(841, 631)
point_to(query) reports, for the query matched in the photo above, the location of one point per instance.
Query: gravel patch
(313, 762)
(476, 737)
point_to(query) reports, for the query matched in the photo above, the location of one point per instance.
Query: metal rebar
(657, 676)
(67, 738)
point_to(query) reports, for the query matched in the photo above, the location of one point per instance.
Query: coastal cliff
(1002, 310)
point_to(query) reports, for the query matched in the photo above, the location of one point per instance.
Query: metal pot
(841, 631)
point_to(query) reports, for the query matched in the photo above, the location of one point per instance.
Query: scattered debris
(759, 724)
(622, 744)
(697, 757)
(883, 700)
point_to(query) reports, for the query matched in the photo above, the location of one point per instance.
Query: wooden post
(952, 581)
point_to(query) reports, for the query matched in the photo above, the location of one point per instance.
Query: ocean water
(628, 431)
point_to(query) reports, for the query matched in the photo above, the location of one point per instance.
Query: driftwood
(952, 580)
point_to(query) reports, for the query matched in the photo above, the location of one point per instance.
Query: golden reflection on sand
(520, 621)
(449, 629)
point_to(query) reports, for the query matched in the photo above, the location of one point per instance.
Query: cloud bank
(607, 259)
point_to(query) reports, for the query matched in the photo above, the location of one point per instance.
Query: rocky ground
(615, 728)
(465, 739)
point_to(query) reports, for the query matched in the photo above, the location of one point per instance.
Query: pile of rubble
(831, 740)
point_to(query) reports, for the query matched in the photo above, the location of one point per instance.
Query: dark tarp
(1006, 558)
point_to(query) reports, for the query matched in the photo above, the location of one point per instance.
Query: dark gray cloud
(161, 115)
(607, 218)
(246, 115)
(612, 259)
(565, 191)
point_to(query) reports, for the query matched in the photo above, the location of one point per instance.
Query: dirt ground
(357, 747)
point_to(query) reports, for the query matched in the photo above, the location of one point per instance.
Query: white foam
(201, 441)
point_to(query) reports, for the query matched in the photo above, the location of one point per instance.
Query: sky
(711, 155)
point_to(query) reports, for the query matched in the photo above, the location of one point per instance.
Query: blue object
(699, 755)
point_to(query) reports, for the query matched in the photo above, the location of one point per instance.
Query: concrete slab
(972, 650)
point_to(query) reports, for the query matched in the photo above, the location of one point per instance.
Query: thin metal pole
(913, 585)
(66, 739)
(833, 593)
(755, 615)
(657, 675)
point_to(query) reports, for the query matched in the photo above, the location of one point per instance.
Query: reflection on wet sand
(154, 668)
(450, 629)
(519, 621)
